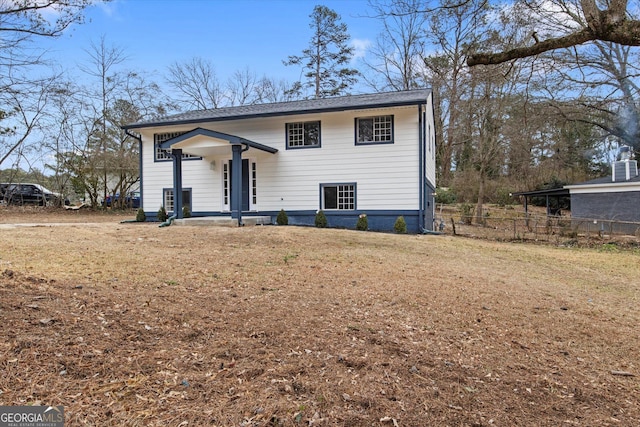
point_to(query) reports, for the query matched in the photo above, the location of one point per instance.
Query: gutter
(421, 167)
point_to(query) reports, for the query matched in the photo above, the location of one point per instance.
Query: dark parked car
(131, 201)
(21, 194)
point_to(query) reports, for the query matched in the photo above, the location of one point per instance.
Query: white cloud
(360, 47)
(109, 9)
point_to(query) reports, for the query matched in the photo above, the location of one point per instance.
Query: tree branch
(580, 37)
(610, 25)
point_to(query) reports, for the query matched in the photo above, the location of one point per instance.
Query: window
(162, 155)
(226, 185)
(301, 135)
(254, 184)
(168, 199)
(338, 196)
(374, 130)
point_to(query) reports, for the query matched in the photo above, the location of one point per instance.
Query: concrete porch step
(223, 221)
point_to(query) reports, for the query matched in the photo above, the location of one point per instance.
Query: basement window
(338, 196)
(167, 198)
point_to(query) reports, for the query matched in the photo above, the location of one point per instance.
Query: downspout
(421, 163)
(240, 223)
(139, 139)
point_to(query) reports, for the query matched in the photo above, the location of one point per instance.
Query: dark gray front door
(245, 183)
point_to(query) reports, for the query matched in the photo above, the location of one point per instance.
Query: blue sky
(234, 35)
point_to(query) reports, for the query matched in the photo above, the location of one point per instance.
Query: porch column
(176, 153)
(236, 183)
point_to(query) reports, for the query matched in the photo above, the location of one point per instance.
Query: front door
(245, 183)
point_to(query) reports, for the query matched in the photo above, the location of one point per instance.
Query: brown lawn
(136, 325)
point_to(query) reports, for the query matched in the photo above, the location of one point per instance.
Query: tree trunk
(479, 205)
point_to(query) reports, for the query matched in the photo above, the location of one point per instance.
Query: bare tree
(101, 65)
(451, 32)
(397, 54)
(196, 84)
(242, 87)
(85, 126)
(71, 133)
(27, 101)
(22, 21)
(610, 21)
(604, 77)
(272, 90)
(23, 97)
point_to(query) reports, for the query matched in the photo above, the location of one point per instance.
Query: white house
(368, 154)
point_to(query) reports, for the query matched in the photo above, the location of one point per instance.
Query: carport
(554, 193)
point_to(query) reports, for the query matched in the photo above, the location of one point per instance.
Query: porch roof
(203, 142)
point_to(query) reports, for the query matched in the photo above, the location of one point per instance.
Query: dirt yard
(136, 325)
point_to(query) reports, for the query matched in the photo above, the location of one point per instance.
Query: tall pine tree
(325, 62)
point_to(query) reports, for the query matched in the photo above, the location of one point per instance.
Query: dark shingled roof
(564, 191)
(349, 102)
(541, 193)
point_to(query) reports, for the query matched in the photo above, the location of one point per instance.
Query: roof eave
(272, 114)
(603, 185)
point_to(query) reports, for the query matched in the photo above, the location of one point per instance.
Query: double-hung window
(169, 201)
(374, 130)
(303, 134)
(338, 196)
(162, 155)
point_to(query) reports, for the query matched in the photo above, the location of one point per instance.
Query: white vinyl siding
(387, 175)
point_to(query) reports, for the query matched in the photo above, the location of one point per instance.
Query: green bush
(141, 216)
(446, 196)
(400, 226)
(162, 214)
(186, 212)
(363, 223)
(504, 197)
(282, 218)
(321, 220)
(466, 213)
